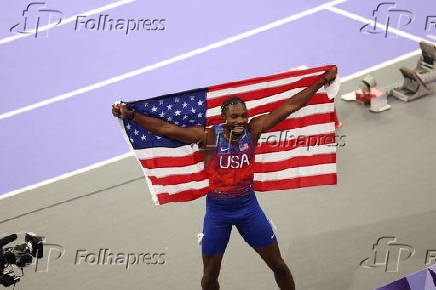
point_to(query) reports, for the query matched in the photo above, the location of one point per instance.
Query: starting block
(426, 66)
(427, 60)
(368, 94)
(413, 86)
(364, 92)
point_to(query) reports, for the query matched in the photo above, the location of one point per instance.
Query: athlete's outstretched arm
(265, 122)
(160, 127)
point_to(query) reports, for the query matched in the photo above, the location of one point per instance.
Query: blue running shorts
(243, 212)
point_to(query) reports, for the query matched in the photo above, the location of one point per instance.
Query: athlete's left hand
(331, 74)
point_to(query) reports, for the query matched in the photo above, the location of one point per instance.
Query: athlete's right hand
(120, 111)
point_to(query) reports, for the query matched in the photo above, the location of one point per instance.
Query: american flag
(298, 152)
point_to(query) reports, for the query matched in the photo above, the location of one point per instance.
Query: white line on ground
(121, 157)
(367, 20)
(66, 20)
(67, 175)
(171, 60)
(381, 65)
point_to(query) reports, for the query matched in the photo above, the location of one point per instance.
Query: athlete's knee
(210, 281)
(279, 267)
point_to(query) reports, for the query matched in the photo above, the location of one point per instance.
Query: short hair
(231, 101)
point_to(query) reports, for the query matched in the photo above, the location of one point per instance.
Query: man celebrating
(228, 153)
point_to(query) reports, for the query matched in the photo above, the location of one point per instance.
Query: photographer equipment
(20, 255)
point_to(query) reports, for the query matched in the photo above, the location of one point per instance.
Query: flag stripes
(298, 152)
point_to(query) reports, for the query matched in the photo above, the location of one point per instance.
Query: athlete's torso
(230, 167)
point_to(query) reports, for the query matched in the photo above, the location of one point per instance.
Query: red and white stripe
(177, 174)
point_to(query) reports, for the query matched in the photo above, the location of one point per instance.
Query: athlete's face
(236, 118)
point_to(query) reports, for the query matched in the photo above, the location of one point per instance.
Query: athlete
(228, 154)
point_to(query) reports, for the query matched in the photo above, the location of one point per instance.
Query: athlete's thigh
(256, 229)
(216, 234)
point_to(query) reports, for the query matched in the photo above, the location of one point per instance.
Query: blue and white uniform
(231, 200)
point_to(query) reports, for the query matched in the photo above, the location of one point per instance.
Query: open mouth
(238, 129)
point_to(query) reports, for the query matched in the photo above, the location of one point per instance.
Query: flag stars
(128, 126)
(185, 117)
(200, 102)
(143, 137)
(169, 107)
(131, 140)
(176, 122)
(154, 109)
(200, 115)
(184, 104)
(158, 137)
(177, 100)
(169, 119)
(145, 104)
(193, 110)
(162, 114)
(136, 132)
(161, 102)
(192, 98)
(191, 121)
(177, 113)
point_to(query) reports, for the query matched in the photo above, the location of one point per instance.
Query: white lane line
(171, 60)
(367, 20)
(381, 65)
(67, 175)
(66, 20)
(121, 157)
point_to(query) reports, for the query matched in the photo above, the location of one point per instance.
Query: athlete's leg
(272, 257)
(216, 235)
(257, 231)
(211, 271)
